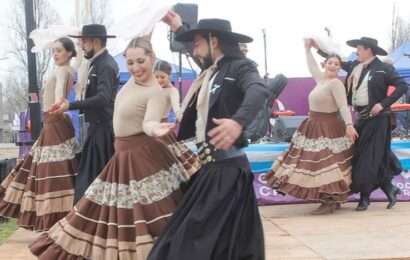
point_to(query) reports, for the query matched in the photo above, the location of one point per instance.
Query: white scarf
(201, 87)
(83, 73)
(353, 80)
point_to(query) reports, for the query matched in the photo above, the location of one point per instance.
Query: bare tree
(15, 95)
(99, 12)
(95, 11)
(17, 83)
(400, 29)
(45, 16)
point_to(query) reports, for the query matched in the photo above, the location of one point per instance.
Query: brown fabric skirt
(39, 190)
(317, 165)
(125, 208)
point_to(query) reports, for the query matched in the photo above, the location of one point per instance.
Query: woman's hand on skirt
(351, 133)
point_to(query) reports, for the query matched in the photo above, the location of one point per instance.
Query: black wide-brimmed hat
(219, 27)
(93, 31)
(368, 42)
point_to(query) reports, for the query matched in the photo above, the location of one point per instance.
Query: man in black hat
(96, 104)
(218, 217)
(368, 78)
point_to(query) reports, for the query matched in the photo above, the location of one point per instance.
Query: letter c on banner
(265, 191)
(262, 178)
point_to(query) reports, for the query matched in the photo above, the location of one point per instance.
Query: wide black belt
(207, 153)
(364, 112)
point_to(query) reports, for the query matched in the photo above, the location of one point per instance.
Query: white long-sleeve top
(57, 85)
(329, 95)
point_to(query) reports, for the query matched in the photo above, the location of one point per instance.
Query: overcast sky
(286, 23)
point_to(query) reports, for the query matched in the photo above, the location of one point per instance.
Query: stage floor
(291, 233)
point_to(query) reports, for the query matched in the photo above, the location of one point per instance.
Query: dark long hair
(68, 45)
(229, 48)
(163, 66)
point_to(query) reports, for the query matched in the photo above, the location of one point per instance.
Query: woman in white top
(39, 191)
(317, 166)
(162, 71)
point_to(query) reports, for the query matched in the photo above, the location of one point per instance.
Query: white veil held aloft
(327, 44)
(44, 38)
(143, 20)
(139, 23)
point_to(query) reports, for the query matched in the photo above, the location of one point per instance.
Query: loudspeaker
(284, 127)
(189, 15)
(6, 165)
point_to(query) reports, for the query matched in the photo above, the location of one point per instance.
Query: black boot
(391, 192)
(364, 202)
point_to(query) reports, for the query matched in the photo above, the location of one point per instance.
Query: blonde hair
(143, 43)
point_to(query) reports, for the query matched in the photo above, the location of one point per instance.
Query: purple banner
(266, 196)
(294, 96)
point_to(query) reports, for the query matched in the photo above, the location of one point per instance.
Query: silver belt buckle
(205, 153)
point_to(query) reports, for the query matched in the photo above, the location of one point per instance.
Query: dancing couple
(322, 164)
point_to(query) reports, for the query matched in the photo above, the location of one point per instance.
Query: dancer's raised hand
(173, 20)
(314, 44)
(308, 43)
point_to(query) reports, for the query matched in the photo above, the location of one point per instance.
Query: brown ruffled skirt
(125, 208)
(317, 166)
(39, 190)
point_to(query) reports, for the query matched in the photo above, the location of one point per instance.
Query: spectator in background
(162, 71)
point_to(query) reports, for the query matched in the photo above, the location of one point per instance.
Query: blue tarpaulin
(401, 60)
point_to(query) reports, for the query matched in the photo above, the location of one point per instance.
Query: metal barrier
(6, 165)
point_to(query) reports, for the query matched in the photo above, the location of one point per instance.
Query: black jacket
(102, 84)
(238, 93)
(382, 75)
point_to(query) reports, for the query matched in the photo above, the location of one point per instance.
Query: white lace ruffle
(336, 145)
(146, 191)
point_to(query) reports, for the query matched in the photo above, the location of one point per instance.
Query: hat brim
(377, 49)
(188, 36)
(92, 36)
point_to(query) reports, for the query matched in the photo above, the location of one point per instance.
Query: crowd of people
(138, 192)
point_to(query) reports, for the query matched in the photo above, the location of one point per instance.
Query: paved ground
(292, 234)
